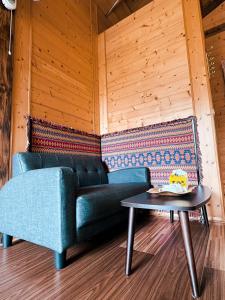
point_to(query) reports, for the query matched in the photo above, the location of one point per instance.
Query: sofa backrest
(89, 170)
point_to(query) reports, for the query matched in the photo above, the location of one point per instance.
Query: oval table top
(189, 202)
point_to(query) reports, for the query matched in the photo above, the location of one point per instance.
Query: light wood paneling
(64, 76)
(55, 69)
(218, 93)
(21, 75)
(156, 71)
(147, 68)
(215, 45)
(203, 107)
(103, 91)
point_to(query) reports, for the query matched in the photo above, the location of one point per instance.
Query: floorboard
(96, 270)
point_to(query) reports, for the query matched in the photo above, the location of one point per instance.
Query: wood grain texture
(64, 51)
(5, 96)
(215, 257)
(97, 272)
(153, 240)
(203, 107)
(147, 67)
(21, 75)
(215, 17)
(215, 46)
(103, 90)
(55, 66)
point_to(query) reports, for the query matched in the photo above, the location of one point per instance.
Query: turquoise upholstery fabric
(89, 170)
(38, 206)
(95, 203)
(129, 175)
(56, 200)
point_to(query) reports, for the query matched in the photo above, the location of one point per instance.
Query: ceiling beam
(208, 6)
(115, 4)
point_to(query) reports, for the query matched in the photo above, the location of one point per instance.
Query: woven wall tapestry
(47, 137)
(161, 147)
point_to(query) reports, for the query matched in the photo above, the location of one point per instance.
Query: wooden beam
(94, 34)
(202, 105)
(215, 19)
(215, 30)
(103, 91)
(5, 95)
(115, 4)
(210, 6)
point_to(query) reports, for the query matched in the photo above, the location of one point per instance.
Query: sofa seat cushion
(94, 203)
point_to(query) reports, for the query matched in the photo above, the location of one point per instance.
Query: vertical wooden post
(202, 104)
(21, 74)
(94, 32)
(103, 94)
(5, 95)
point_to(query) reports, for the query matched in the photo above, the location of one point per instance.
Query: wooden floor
(27, 271)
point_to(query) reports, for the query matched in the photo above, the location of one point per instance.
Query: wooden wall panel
(55, 66)
(203, 107)
(21, 75)
(5, 95)
(103, 91)
(64, 76)
(156, 71)
(215, 46)
(147, 67)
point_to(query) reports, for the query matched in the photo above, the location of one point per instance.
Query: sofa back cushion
(89, 170)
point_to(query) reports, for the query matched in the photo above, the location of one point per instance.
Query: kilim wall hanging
(44, 136)
(161, 147)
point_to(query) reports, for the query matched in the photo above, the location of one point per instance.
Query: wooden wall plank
(147, 72)
(156, 71)
(102, 71)
(56, 76)
(96, 103)
(5, 95)
(203, 106)
(64, 63)
(21, 75)
(215, 46)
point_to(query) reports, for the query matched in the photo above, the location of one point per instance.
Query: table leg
(130, 241)
(205, 215)
(171, 216)
(185, 226)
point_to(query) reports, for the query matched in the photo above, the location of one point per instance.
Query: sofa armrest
(38, 206)
(129, 175)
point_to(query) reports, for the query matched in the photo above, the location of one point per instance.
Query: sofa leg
(6, 240)
(60, 260)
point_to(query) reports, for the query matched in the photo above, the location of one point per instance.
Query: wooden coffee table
(183, 204)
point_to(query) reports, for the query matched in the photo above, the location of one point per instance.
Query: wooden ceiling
(126, 7)
(208, 5)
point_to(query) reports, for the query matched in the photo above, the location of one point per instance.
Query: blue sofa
(57, 200)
